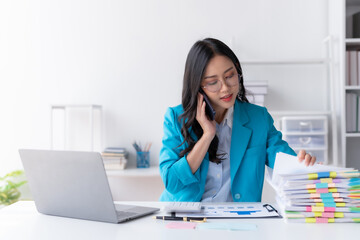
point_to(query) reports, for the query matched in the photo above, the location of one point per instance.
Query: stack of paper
(316, 194)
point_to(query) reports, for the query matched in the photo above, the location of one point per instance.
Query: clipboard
(234, 210)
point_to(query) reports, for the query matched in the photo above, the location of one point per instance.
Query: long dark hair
(197, 60)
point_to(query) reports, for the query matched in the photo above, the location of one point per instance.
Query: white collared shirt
(217, 186)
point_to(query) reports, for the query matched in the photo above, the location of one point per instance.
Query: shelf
(352, 134)
(285, 61)
(352, 41)
(303, 133)
(296, 113)
(310, 148)
(76, 106)
(135, 172)
(352, 87)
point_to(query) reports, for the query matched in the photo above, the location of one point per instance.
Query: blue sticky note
(323, 174)
(328, 200)
(321, 185)
(326, 195)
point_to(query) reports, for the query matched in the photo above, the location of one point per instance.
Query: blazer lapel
(239, 139)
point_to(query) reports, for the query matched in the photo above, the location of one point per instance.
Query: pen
(136, 146)
(186, 219)
(148, 148)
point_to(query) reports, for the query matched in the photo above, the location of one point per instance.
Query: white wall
(128, 56)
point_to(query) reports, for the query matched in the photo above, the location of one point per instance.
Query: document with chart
(233, 210)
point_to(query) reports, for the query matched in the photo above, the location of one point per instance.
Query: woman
(224, 159)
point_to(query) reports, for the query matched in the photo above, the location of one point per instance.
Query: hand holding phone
(209, 110)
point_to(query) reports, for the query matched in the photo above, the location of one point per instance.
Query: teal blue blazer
(254, 144)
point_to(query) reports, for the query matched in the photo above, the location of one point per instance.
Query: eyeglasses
(216, 85)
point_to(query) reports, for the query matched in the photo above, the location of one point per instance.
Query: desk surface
(22, 221)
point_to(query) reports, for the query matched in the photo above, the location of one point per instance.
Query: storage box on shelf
(307, 132)
(256, 91)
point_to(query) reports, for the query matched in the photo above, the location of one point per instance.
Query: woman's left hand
(303, 156)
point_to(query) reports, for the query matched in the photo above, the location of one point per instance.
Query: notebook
(74, 184)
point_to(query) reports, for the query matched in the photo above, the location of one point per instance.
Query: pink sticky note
(181, 225)
(328, 214)
(321, 220)
(329, 209)
(322, 190)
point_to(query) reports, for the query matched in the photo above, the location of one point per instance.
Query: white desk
(22, 221)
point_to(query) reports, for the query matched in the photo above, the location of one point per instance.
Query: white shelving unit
(76, 127)
(329, 112)
(350, 142)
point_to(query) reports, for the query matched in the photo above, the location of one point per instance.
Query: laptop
(74, 184)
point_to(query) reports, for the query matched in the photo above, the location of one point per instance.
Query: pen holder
(143, 159)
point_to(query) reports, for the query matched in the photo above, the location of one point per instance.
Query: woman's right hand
(197, 154)
(208, 127)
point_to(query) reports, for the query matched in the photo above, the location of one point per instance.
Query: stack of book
(352, 112)
(115, 158)
(319, 196)
(256, 91)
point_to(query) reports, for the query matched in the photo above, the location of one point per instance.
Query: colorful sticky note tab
(323, 174)
(312, 176)
(339, 215)
(355, 209)
(333, 174)
(321, 185)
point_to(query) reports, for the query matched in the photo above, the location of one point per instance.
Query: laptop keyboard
(183, 207)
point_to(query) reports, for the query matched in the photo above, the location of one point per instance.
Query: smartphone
(209, 110)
